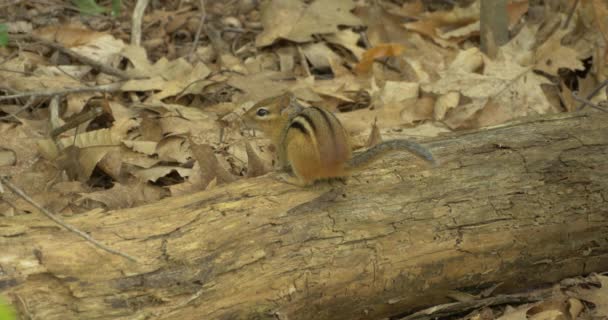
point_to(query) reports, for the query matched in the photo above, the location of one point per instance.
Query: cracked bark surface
(524, 204)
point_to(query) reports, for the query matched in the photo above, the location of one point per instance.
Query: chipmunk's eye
(262, 112)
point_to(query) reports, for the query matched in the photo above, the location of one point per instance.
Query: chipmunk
(313, 143)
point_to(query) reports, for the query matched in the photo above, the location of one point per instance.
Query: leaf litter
(171, 107)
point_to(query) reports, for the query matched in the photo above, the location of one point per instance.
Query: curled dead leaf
(383, 50)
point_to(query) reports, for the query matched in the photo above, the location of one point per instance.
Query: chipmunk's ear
(292, 106)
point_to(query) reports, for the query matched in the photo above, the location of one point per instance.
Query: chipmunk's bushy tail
(367, 156)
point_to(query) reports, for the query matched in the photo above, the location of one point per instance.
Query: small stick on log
(58, 221)
(451, 309)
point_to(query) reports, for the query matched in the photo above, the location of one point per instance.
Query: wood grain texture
(523, 204)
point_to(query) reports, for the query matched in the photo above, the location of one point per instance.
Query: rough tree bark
(523, 204)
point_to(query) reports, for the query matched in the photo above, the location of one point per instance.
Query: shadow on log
(523, 204)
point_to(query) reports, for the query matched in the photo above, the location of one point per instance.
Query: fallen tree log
(523, 204)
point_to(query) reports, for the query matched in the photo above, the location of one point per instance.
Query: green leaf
(116, 4)
(89, 7)
(3, 38)
(6, 311)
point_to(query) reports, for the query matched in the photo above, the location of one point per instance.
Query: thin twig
(83, 59)
(450, 309)
(27, 105)
(236, 30)
(77, 120)
(592, 94)
(201, 25)
(12, 55)
(586, 102)
(101, 88)
(365, 39)
(570, 14)
(304, 62)
(16, 71)
(58, 221)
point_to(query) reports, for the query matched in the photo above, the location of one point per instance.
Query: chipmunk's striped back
(331, 149)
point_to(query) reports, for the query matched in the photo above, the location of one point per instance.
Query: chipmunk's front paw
(288, 178)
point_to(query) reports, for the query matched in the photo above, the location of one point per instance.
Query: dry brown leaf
(69, 187)
(296, 21)
(380, 51)
(586, 85)
(19, 26)
(600, 8)
(259, 86)
(383, 26)
(337, 87)
(255, 165)
(46, 78)
(445, 103)
(552, 55)
(169, 78)
(193, 184)
(68, 35)
(8, 157)
(320, 56)
(575, 307)
(596, 295)
(516, 9)
(149, 128)
(177, 110)
(125, 119)
(111, 164)
(395, 92)
(287, 60)
(99, 46)
(80, 155)
(91, 156)
(69, 161)
(137, 159)
(358, 121)
(117, 197)
(374, 136)
(210, 167)
(211, 184)
(207, 131)
(412, 8)
(36, 81)
(93, 139)
(157, 172)
(347, 39)
(414, 110)
(512, 89)
(551, 309)
(469, 60)
(145, 147)
(518, 313)
(174, 149)
(433, 24)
